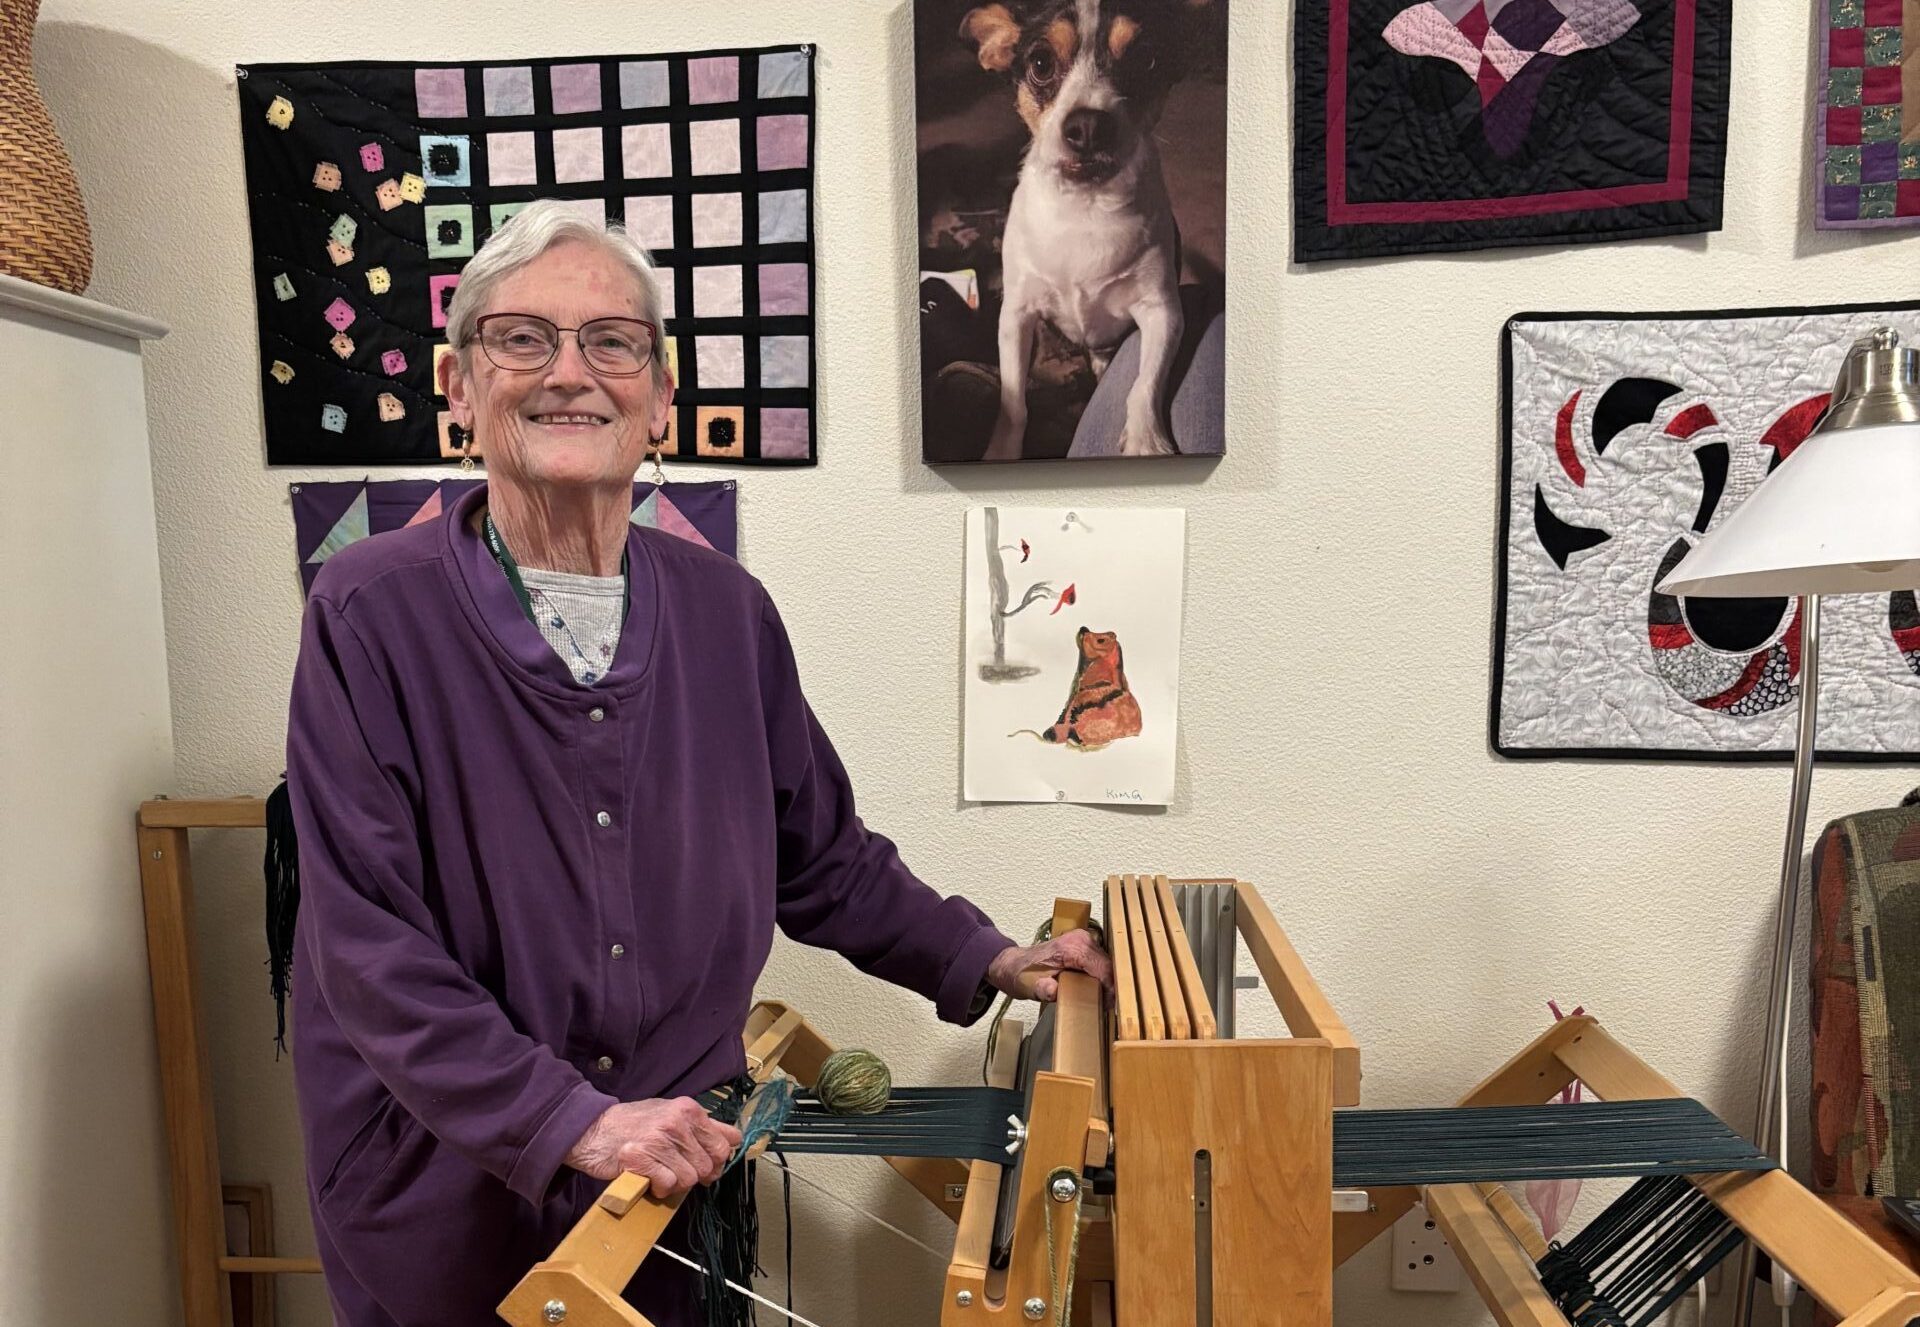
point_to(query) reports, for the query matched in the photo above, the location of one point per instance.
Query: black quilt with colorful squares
(369, 186)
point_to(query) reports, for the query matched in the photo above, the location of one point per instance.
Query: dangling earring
(466, 452)
(659, 475)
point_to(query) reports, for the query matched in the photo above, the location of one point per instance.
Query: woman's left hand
(1030, 972)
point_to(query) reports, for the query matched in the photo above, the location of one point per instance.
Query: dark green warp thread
(967, 1123)
(1638, 1257)
(1584, 1140)
(1587, 1140)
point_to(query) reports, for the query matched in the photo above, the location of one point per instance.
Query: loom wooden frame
(1109, 1072)
(1261, 1109)
(1140, 1269)
(1170, 1096)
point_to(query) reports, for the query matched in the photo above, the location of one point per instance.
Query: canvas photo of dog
(1072, 222)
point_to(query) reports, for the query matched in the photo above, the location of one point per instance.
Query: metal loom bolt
(555, 1310)
(1035, 1307)
(963, 1298)
(1064, 1189)
(1016, 1134)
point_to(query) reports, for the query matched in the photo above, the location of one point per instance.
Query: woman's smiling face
(564, 425)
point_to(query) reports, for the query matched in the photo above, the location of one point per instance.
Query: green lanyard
(498, 547)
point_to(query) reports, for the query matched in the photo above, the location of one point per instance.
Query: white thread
(858, 1211)
(758, 1299)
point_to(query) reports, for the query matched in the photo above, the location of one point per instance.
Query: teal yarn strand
(854, 1082)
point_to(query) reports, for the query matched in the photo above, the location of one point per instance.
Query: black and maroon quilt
(1430, 125)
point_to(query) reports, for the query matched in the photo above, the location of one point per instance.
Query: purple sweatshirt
(524, 900)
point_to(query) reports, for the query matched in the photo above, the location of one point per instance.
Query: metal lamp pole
(1767, 1112)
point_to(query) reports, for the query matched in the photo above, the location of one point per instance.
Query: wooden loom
(1109, 1085)
(1211, 1157)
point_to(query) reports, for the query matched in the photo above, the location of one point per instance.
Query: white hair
(526, 235)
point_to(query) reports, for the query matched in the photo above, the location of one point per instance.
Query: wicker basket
(43, 223)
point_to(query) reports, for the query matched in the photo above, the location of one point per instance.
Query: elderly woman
(555, 783)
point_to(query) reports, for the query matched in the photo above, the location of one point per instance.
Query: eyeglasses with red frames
(527, 343)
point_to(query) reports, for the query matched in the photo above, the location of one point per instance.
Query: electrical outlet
(1422, 1258)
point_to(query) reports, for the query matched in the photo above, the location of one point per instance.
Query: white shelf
(18, 294)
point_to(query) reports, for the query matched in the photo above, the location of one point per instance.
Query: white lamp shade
(1841, 515)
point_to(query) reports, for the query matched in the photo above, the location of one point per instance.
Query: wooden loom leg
(166, 888)
(1501, 1271)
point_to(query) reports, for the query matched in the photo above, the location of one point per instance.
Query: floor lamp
(1840, 515)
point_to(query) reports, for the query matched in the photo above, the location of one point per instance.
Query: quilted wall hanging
(328, 517)
(369, 185)
(1868, 143)
(1628, 436)
(1430, 125)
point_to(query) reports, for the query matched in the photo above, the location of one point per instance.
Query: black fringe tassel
(283, 904)
(725, 1235)
(724, 1224)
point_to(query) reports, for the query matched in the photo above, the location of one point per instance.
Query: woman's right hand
(669, 1141)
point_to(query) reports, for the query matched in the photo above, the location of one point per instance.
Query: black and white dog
(1090, 243)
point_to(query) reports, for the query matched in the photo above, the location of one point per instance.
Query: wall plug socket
(1422, 1258)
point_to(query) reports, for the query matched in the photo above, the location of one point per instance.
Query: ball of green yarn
(854, 1083)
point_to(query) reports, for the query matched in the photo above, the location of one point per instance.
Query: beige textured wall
(1339, 589)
